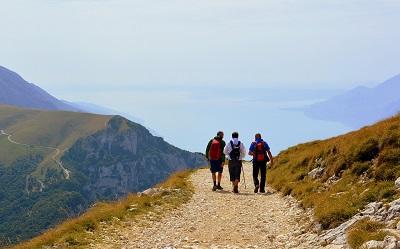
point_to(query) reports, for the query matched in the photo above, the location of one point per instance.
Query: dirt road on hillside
(220, 220)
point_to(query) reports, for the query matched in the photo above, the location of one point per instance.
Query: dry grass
(363, 231)
(76, 232)
(366, 162)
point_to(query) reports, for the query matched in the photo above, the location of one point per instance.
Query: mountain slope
(106, 158)
(360, 106)
(340, 176)
(18, 92)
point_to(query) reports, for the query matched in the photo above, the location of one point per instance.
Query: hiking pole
(244, 179)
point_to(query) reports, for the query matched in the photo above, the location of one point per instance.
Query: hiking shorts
(216, 166)
(235, 168)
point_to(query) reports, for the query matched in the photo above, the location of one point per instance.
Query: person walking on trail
(214, 153)
(235, 152)
(261, 153)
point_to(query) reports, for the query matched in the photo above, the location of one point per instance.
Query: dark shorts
(235, 168)
(216, 166)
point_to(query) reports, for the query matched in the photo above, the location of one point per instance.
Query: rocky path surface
(219, 220)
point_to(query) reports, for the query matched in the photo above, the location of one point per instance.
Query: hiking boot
(214, 188)
(256, 189)
(236, 189)
(262, 191)
(219, 187)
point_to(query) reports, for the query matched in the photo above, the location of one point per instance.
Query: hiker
(235, 152)
(214, 153)
(261, 153)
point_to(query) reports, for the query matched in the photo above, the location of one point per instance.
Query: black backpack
(235, 153)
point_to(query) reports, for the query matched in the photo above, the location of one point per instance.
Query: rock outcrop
(125, 158)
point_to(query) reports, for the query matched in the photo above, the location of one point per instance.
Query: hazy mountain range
(360, 106)
(14, 90)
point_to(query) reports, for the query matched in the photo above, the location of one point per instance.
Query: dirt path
(54, 157)
(219, 220)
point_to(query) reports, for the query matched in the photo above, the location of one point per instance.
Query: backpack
(260, 154)
(235, 152)
(215, 150)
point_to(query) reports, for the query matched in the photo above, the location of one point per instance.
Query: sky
(154, 58)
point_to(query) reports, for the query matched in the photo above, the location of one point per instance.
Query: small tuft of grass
(363, 231)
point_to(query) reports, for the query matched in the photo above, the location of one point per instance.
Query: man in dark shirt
(214, 153)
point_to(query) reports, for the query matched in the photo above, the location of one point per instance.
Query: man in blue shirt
(261, 153)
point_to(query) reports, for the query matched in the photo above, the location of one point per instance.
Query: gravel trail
(219, 220)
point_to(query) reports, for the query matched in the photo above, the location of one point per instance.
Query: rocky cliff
(125, 158)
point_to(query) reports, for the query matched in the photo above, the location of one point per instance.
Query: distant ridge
(360, 106)
(16, 91)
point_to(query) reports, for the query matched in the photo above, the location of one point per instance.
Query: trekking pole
(244, 179)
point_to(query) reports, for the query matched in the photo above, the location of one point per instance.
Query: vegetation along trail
(218, 220)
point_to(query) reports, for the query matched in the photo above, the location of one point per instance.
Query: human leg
(256, 170)
(263, 171)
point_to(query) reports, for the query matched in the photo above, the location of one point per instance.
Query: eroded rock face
(125, 158)
(390, 242)
(387, 214)
(316, 173)
(397, 183)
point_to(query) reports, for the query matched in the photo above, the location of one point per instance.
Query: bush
(367, 150)
(363, 231)
(385, 172)
(391, 157)
(358, 168)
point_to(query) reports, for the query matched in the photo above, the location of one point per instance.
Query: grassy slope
(11, 152)
(78, 232)
(367, 163)
(48, 128)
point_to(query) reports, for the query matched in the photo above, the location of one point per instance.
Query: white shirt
(228, 149)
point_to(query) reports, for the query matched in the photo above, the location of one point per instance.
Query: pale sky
(123, 44)
(193, 67)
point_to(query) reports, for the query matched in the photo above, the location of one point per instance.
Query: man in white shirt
(235, 152)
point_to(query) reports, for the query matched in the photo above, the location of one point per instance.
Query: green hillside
(350, 171)
(58, 129)
(55, 164)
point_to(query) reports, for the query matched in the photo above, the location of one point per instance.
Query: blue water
(188, 118)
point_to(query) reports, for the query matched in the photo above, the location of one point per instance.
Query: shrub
(367, 150)
(385, 172)
(358, 168)
(363, 231)
(390, 156)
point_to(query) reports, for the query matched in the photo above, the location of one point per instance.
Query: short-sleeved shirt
(253, 144)
(223, 144)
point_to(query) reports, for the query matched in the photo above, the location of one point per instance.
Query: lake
(189, 117)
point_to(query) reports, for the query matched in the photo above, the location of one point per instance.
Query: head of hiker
(220, 135)
(235, 137)
(214, 152)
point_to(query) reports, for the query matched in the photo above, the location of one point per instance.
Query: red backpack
(215, 150)
(259, 152)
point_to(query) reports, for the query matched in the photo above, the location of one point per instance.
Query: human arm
(271, 158)
(223, 144)
(208, 150)
(242, 151)
(251, 149)
(227, 149)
